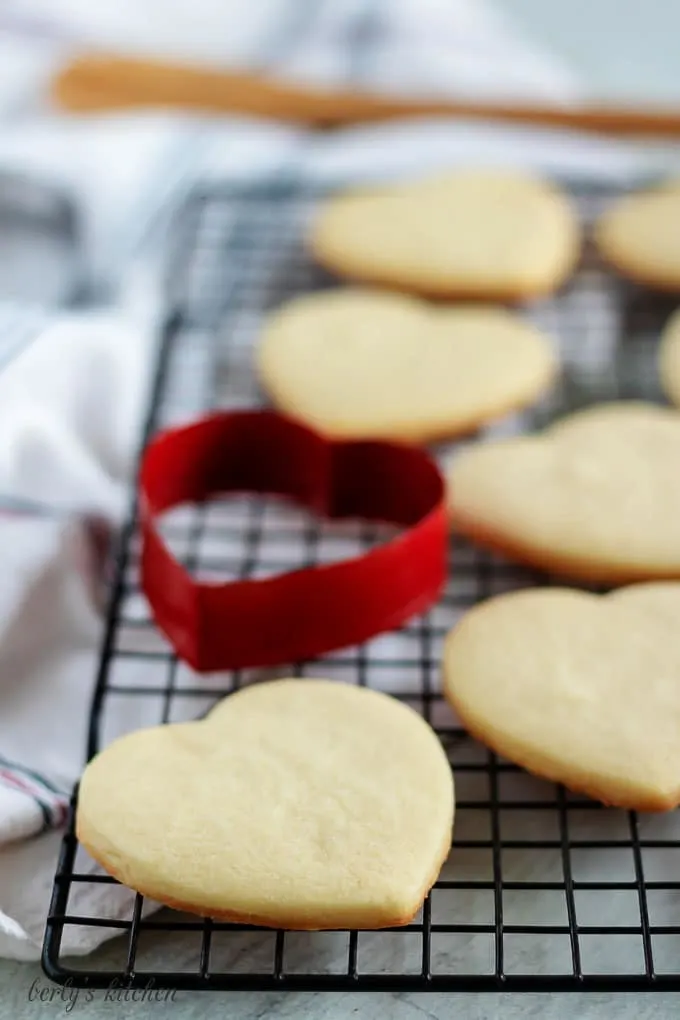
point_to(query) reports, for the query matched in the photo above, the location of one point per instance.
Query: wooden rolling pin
(92, 83)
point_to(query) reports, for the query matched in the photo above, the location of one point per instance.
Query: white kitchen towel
(426, 46)
(71, 403)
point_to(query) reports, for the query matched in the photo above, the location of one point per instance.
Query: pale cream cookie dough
(639, 235)
(302, 804)
(578, 688)
(668, 359)
(357, 363)
(595, 497)
(477, 234)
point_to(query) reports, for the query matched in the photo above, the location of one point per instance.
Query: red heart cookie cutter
(308, 612)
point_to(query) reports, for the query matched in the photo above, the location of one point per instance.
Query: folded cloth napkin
(73, 383)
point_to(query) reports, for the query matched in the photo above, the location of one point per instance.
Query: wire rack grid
(543, 890)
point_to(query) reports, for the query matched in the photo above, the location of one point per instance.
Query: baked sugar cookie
(487, 234)
(296, 803)
(356, 363)
(578, 688)
(595, 497)
(640, 236)
(669, 359)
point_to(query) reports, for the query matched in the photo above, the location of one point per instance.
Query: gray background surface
(625, 50)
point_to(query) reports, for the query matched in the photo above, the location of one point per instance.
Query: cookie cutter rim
(301, 614)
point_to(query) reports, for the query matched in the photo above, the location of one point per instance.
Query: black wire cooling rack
(543, 890)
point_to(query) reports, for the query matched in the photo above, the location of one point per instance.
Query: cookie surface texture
(356, 363)
(595, 497)
(668, 359)
(640, 236)
(471, 233)
(578, 688)
(295, 803)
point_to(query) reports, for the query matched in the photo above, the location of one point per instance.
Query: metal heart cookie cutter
(308, 612)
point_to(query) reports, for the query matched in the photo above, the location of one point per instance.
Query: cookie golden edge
(440, 432)
(632, 270)
(588, 570)
(580, 780)
(293, 922)
(344, 269)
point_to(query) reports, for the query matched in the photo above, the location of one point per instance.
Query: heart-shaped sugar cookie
(578, 688)
(296, 803)
(363, 364)
(595, 497)
(477, 234)
(638, 235)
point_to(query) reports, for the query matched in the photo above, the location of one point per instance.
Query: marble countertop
(26, 994)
